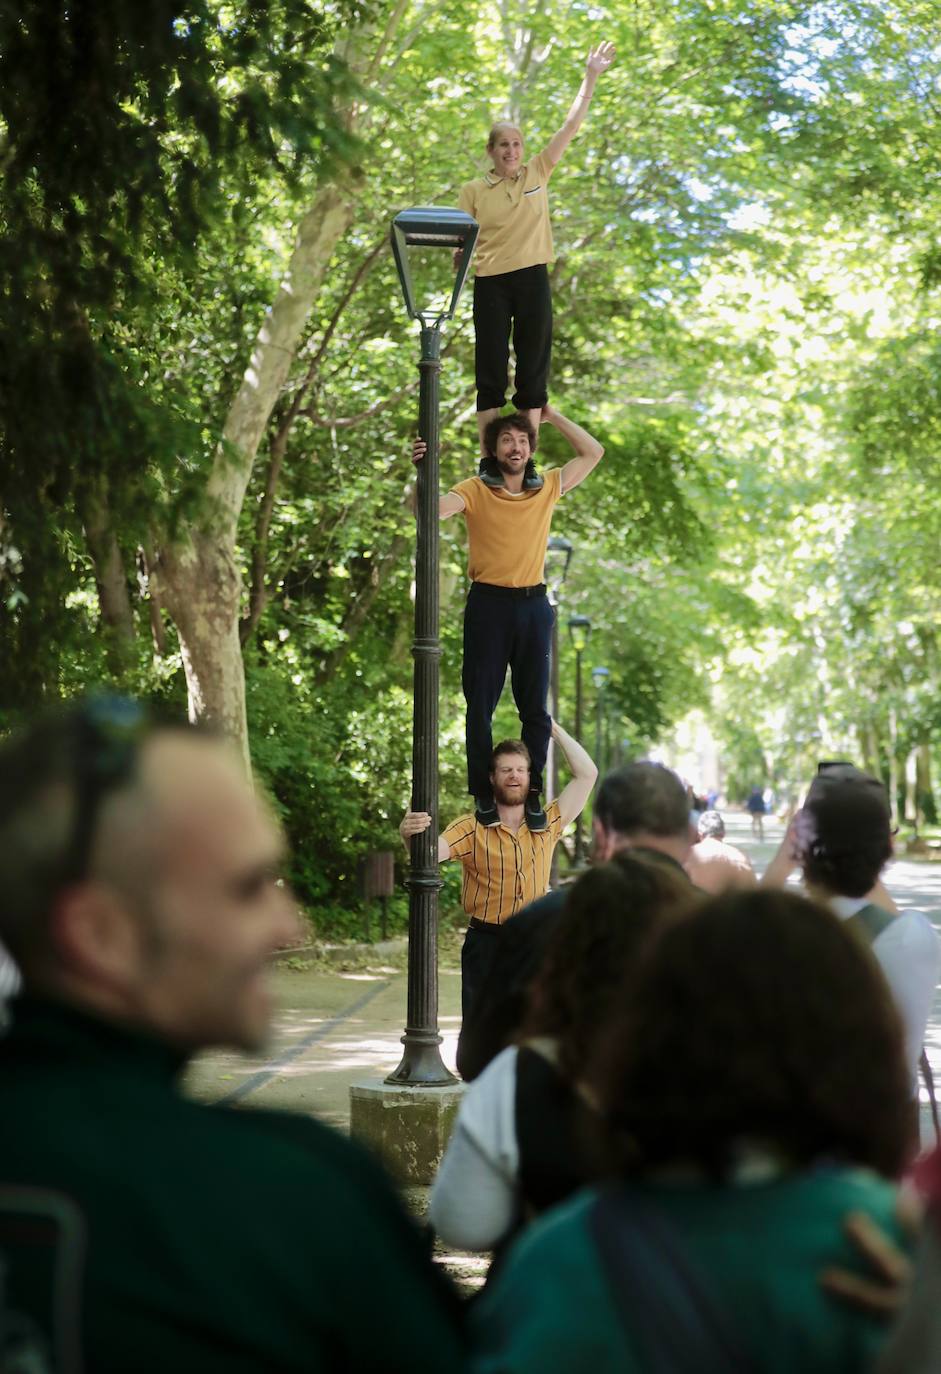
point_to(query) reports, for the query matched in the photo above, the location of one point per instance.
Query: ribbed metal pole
(553, 752)
(421, 1061)
(579, 842)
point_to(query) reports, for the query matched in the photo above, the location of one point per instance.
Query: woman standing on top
(511, 286)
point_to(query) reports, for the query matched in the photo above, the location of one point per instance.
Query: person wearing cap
(514, 247)
(508, 618)
(841, 840)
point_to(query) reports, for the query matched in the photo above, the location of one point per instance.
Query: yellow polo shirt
(503, 872)
(506, 533)
(513, 214)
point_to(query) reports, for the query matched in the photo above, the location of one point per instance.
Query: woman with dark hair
(754, 1090)
(517, 1144)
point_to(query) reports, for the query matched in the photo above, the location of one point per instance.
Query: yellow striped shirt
(503, 872)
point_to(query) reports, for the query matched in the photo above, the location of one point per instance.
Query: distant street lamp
(418, 236)
(558, 557)
(579, 633)
(599, 677)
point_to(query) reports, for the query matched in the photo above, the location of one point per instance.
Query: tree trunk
(200, 584)
(119, 629)
(927, 810)
(200, 575)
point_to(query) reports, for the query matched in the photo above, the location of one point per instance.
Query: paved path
(337, 1028)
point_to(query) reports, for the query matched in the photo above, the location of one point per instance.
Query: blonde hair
(502, 124)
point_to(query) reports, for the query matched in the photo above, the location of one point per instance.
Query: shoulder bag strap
(664, 1308)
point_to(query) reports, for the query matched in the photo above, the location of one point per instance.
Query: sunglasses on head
(107, 732)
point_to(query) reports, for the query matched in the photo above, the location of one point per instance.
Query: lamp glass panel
(432, 273)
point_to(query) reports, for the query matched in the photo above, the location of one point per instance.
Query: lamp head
(558, 557)
(432, 233)
(580, 632)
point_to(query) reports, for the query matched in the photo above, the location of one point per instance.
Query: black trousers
(504, 629)
(477, 954)
(522, 302)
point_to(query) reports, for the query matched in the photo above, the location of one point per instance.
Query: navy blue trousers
(503, 630)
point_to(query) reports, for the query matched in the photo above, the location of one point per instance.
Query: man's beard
(507, 467)
(507, 797)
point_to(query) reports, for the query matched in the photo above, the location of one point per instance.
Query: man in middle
(508, 619)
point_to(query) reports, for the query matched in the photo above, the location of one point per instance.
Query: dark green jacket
(217, 1239)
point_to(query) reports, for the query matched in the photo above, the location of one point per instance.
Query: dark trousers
(477, 954)
(520, 301)
(504, 629)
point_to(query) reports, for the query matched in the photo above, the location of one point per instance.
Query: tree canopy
(208, 382)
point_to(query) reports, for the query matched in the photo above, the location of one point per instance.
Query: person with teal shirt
(754, 1095)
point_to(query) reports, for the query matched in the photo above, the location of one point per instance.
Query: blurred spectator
(142, 901)
(757, 1064)
(715, 866)
(517, 1146)
(841, 840)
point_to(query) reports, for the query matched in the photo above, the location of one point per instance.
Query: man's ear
(604, 845)
(95, 936)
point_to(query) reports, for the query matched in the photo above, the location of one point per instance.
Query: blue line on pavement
(272, 1069)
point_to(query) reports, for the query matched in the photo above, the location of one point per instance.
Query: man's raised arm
(573, 797)
(588, 451)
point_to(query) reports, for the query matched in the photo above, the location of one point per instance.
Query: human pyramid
(505, 847)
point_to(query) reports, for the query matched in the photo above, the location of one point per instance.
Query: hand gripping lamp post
(426, 238)
(580, 633)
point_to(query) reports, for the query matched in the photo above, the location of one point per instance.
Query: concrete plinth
(408, 1128)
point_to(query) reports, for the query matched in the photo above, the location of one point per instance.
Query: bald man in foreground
(140, 896)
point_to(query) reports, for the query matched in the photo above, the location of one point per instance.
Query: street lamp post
(599, 677)
(580, 633)
(427, 227)
(558, 557)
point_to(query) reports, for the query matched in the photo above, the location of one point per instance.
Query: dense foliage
(746, 314)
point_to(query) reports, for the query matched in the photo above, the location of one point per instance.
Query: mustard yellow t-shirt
(503, 872)
(513, 215)
(507, 534)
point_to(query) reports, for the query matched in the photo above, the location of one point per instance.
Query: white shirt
(909, 954)
(475, 1197)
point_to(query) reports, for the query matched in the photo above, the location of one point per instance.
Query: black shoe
(485, 810)
(535, 815)
(533, 481)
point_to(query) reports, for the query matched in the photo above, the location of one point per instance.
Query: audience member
(714, 865)
(841, 840)
(141, 900)
(754, 1088)
(517, 1145)
(642, 807)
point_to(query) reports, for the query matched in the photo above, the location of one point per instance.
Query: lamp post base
(421, 1065)
(408, 1128)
